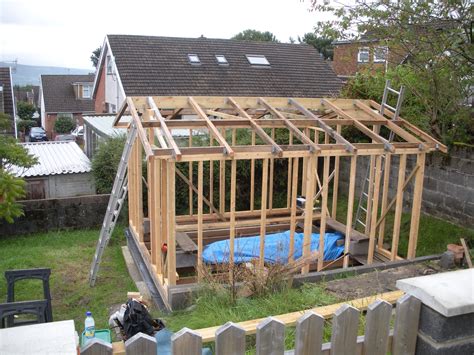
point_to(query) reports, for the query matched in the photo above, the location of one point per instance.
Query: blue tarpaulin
(276, 248)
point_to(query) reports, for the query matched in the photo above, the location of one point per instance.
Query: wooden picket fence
(379, 338)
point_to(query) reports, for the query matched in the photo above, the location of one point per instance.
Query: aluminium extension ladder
(117, 197)
(364, 195)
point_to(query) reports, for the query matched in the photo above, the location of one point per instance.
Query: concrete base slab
(449, 293)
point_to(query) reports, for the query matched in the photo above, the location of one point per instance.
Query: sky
(64, 33)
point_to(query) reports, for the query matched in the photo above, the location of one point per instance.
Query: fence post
(377, 328)
(96, 347)
(140, 344)
(271, 337)
(344, 330)
(445, 318)
(186, 342)
(309, 334)
(230, 340)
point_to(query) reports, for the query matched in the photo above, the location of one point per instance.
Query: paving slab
(449, 293)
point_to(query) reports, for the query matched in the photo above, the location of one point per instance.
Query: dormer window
(222, 60)
(86, 92)
(194, 59)
(256, 59)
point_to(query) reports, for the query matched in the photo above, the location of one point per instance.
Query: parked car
(38, 134)
(65, 137)
(78, 132)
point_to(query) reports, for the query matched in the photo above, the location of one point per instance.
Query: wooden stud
(190, 193)
(324, 206)
(199, 226)
(416, 208)
(263, 217)
(467, 255)
(308, 210)
(294, 194)
(171, 241)
(370, 194)
(270, 185)
(252, 177)
(335, 187)
(375, 210)
(350, 209)
(211, 176)
(385, 186)
(399, 207)
(289, 184)
(233, 173)
(164, 215)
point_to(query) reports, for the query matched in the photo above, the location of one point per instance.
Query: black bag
(137, 319)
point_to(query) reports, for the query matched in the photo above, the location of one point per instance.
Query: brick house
(65, 95)
(7, 99)
(145, 65)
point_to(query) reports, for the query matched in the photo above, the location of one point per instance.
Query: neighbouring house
(144, 65)
(29, 94)
(7, 99)
(63, 170)
(97, 128)
(65, 95)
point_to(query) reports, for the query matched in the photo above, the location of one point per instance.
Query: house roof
(5, 81)
(59, 93)
(55, 158)
(160, 66)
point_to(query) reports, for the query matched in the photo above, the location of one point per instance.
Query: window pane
(221, 59)
(193, 58)
(363, 55)
(380, 54)
(257, 59)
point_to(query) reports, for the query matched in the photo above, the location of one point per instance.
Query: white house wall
(114, 94)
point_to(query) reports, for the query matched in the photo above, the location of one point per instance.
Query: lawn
(69, 255)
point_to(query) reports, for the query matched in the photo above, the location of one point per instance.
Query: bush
(25, 125)
(64, 124)
(105, 163)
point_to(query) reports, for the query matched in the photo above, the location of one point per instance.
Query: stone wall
(57, 214)
(448, 191)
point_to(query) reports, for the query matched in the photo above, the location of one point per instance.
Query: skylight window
(257, 59)
(221, 59)
(194, 59)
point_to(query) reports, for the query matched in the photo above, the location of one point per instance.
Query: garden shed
(265, 166)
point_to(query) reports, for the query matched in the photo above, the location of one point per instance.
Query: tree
(12, 187)
(95, 56)
(64, 124)
(25, 110)
(105, 163)
(431, 42)
(322, 44)
(254, 35)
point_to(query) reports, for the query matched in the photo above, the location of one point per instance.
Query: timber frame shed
(307, 138)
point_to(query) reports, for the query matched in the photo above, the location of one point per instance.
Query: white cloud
(64, 33)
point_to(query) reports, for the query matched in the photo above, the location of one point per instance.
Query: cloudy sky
(64, 33)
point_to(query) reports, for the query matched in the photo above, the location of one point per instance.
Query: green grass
(433, 234)
(69, 255)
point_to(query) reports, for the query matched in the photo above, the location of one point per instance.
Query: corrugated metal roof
(55, 158)
(102, 125)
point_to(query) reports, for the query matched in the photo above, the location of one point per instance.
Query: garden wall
(448, 190)
(58, 213)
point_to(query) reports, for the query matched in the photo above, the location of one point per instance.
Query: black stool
(8, 310)
(26, 274)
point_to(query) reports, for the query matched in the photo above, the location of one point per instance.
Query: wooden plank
(377, 328)
(350, 210)
(97, 346)
(406, 324)
(324, 216)
(154, 208)
(289, 319)
(399, 207)
(344, 330)
(335, 188)
(169, 138)
(270, 337)
(263, 217)
(186, 243)
(171, 253)
(141, 132)
(289, 184)
(261, 133)
(252, 177)
(370, 193)
(200, 239)
(337, 226)
(309, 334)
(186, 342)
(375, 210)
(233, 173)
(142, 344)
(298, 134)
(308, 210)
(164, 215)
(270, 182)
(190, 186)
(230, 340)
(385, 184)
(416, 207)
(467, 255)
(294, 195)
(227, 149)
(331, 132)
